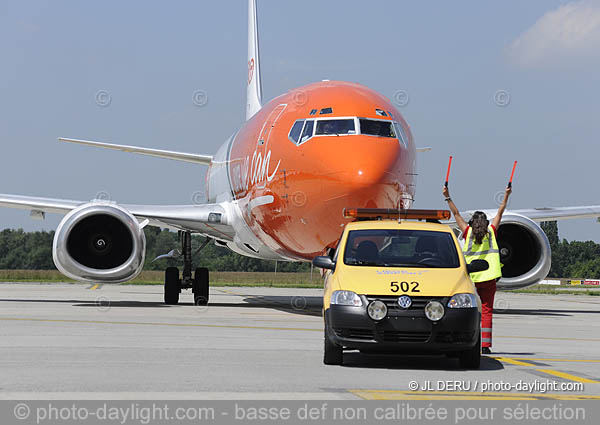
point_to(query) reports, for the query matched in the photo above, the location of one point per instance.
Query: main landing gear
(199, 283)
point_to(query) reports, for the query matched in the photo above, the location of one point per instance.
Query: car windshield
(401, 248)
(377, 128)
(345, 126)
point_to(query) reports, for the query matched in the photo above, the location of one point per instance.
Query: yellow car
(400, 285)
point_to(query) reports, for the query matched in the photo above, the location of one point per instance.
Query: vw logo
(404, 301)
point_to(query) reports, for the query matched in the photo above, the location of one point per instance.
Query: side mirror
(477, 266)
(324, 262)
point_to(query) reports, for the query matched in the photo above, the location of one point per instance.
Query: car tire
(333, 354)
(471, 359)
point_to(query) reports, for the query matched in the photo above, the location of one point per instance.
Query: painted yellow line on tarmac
(555, 360)
(95, 287)
(564, 375)
(185, 325)
(462, 395)
(512, 361)
(228, 292)
(568, 376)
(548, 338)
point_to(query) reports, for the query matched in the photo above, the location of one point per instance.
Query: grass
(32, 276)
(257, 279)
(556, 290)
(249, 279)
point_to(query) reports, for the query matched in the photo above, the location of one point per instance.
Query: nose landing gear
(199, 283)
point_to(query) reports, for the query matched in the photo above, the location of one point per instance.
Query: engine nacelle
(99, 242)
(524, 251)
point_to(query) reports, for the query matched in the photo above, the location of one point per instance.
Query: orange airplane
(276, 190)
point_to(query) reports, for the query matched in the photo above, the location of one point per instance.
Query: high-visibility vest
(487, 250)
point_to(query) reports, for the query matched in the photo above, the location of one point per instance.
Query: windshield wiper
(364, 263)
(423, 266)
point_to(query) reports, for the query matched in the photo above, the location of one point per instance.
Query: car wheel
(333, 354)
(471, 359)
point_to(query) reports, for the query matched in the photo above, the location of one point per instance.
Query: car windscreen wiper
(364, 263)
(422, 266)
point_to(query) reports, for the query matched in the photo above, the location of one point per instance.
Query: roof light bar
(381, 213)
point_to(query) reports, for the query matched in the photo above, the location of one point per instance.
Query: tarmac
(116, 342)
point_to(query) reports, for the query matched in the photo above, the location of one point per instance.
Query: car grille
(383, 335)
(395, 336)
(418, 303)
(454, 337)
(365, 334)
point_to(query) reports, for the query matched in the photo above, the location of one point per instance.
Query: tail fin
(254, 93)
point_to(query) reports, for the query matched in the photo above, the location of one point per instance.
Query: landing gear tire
(333, 354)
(172, 286)
(471, 359)
(200, 286)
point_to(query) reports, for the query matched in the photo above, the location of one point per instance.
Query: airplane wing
(549, 213)
(177, 156)
(560, 213)
(207, 219)
(59, 206)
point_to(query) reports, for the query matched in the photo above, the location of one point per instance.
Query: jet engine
(524, 251)
(99, 242)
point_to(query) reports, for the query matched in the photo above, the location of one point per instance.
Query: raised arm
(501, 208)
(462, 224)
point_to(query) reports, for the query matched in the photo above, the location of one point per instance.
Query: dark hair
(479, 223)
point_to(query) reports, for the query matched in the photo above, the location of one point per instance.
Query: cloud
(567, 35)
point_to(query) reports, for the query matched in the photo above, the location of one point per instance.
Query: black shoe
(486, 350)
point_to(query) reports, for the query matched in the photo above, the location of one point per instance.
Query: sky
(486, 82)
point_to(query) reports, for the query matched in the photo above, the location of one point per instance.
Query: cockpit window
(296, 130)
(377, 128)
(401, 134)
(326, 111)
(304, 129)
(345, 126)
(308, 131)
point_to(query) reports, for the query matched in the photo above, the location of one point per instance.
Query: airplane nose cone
(370, 172)
(365, 175)
(373, 162)
(345, 172)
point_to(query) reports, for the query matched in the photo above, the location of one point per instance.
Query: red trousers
(486, 291)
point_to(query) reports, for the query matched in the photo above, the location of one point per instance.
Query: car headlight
(434, 311)
(346, 298)
(462, 301)
(377, 310)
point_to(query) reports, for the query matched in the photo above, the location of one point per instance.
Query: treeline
(575, 259)
(33, 251)
(21, 250)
